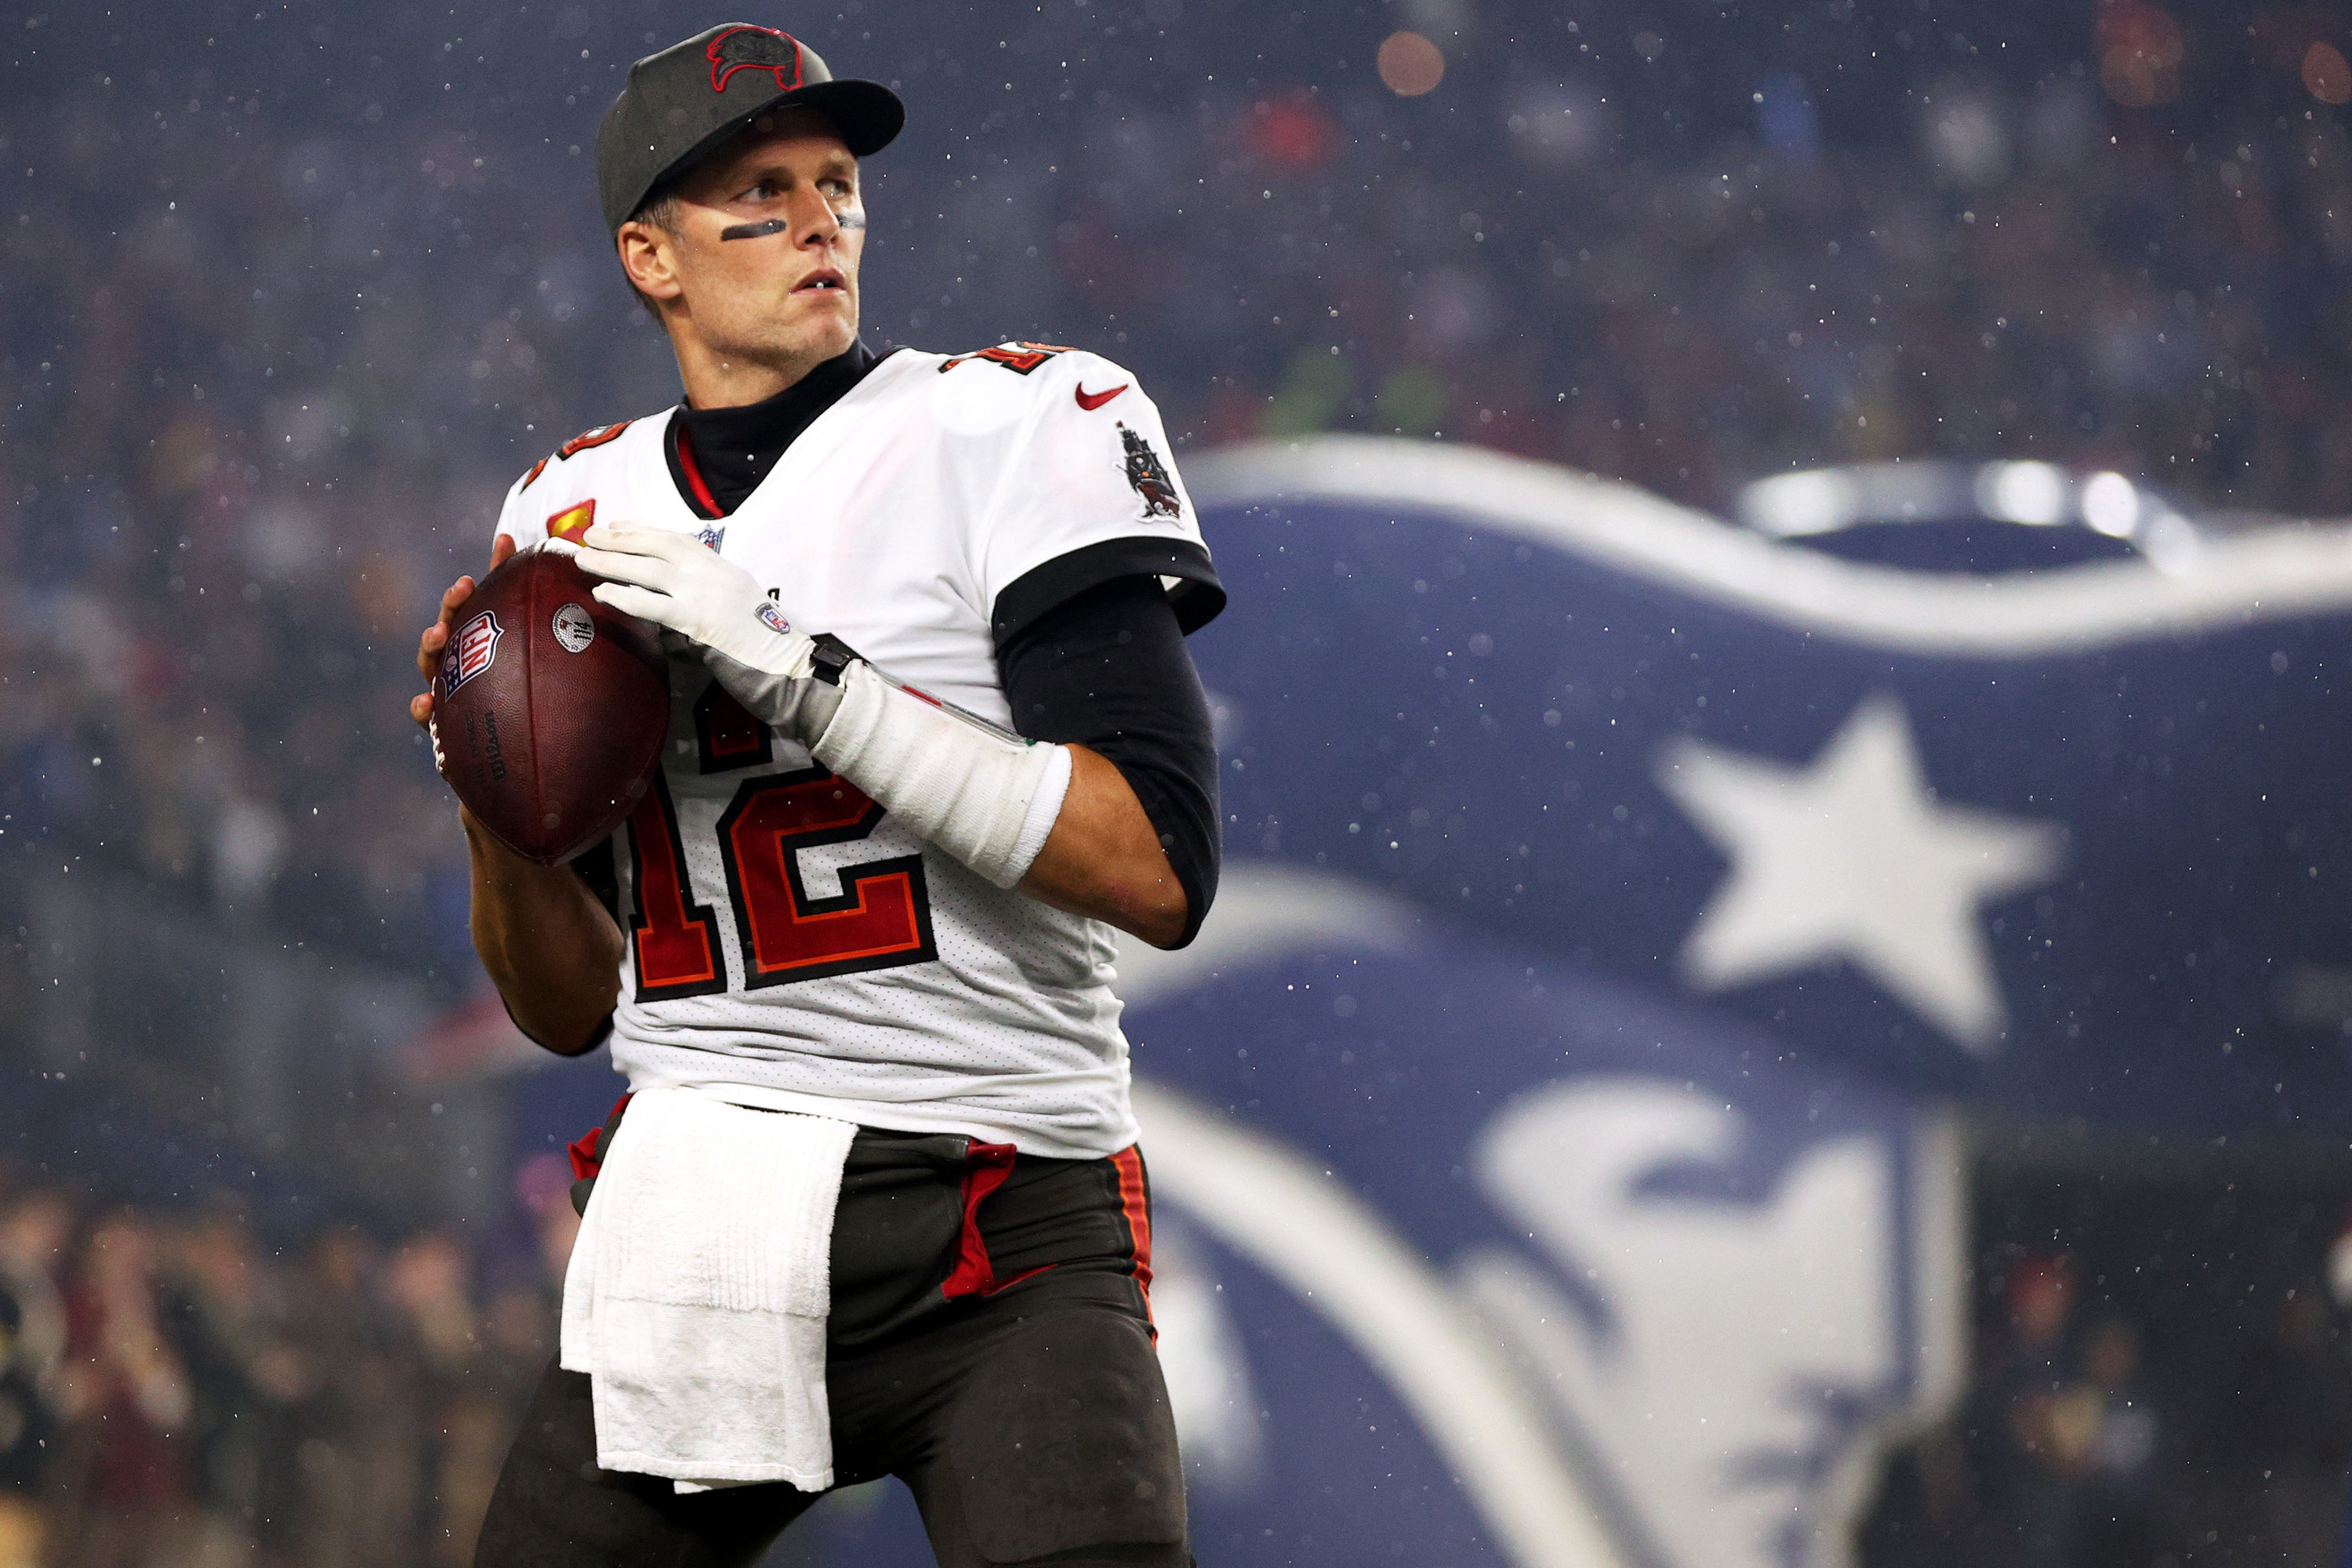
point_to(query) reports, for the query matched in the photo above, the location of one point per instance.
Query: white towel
(698, 1292)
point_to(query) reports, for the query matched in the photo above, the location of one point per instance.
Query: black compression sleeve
(1108, 670)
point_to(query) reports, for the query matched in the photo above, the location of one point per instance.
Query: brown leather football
(549, 709)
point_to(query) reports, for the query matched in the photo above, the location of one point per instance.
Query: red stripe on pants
(1135, 1203)
(985, 1167)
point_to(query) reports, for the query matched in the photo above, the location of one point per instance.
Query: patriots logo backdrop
(1549, 1129)
(1475, 1260)
(2069, 841)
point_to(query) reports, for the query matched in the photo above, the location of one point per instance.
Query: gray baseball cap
(681, 103)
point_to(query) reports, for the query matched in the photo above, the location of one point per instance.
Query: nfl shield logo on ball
(470, 651)
(773, 619)
(574, 630)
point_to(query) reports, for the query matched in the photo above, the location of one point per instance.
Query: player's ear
(649, 257)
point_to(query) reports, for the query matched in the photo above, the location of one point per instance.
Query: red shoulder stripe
(587, 438)
(580, 443)
(1018, 358)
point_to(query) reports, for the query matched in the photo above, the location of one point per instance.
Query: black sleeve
(1108, 670)
(1181, 568)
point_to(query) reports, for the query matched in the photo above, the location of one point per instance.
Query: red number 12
(881, 919)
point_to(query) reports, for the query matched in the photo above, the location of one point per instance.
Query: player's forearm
(1103, 859)
(1060, 822)
(546, 943)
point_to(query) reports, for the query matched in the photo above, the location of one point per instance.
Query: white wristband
(1045, 810)
(988, 798)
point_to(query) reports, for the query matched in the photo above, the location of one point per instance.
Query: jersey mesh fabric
(894, 521)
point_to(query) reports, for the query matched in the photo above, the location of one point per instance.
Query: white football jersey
(789, 943)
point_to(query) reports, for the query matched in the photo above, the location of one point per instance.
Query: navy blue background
(2200, 789)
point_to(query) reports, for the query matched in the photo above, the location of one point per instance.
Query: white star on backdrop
(1854, 857)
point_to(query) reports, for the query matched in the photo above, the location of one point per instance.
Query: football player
(934, 731)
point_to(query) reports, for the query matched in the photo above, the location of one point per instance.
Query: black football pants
(989, 1345)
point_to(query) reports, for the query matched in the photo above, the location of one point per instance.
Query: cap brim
(867, 114)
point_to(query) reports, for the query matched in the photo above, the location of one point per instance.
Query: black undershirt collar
(718, 455)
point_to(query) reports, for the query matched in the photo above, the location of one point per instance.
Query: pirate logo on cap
(755, 50)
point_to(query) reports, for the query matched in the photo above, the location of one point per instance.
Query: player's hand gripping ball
(679, 583)
(549, 708)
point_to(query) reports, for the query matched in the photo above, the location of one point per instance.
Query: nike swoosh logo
(1090, 400)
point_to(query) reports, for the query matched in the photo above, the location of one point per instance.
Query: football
(549, 709)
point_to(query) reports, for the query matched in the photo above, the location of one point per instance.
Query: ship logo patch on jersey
(471, 652)
(749, 49)
(711, 537)
(572, 520)
(1149, 476)
(773, 619)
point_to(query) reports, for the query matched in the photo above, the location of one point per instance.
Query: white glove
(761, 658)
(679, 583)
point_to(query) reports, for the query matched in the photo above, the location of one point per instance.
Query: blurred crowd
(178, 1389)
(2077, 1447)
(2024, 274)
(177, 1392)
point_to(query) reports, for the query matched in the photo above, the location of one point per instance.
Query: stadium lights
(1815, 501)
(2033, 493)
(1789, 506)
(2111, 504)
